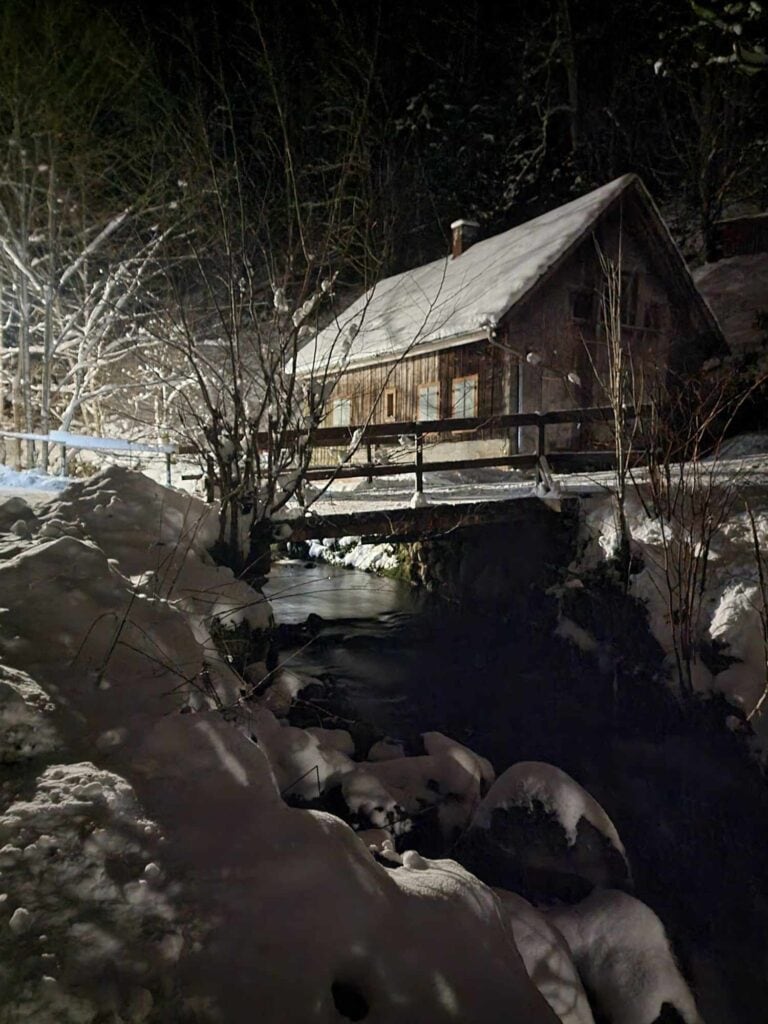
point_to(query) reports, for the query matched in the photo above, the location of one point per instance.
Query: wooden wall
(366, 387)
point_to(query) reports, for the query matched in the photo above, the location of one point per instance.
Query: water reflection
(297, 591)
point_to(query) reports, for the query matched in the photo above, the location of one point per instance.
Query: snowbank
(351, 553)
(26, 727)
(731, 604)
(173, 855)
(79, 938)
(624, 957)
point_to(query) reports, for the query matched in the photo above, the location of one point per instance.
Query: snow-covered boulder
(624, 958)
(547, 959)
(305, 763)
(539, 830)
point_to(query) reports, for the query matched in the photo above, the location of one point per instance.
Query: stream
(408, 663)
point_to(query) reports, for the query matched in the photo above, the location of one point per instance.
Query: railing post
(541, 445)
(168, 469)
(368, 459)
(419, 462)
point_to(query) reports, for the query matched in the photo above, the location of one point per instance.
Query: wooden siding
(366, 387)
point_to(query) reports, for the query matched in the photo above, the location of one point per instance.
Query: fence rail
(540, 460)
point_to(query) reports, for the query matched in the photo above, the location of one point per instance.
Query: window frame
(390, 393)
(584, 295)
(336, 403)
(475, 378)
(421, 388)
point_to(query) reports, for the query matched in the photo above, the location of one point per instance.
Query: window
(464, 397)
(389, 404)
(429, 402)
(341, 412)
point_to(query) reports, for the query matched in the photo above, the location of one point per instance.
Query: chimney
(463, 234)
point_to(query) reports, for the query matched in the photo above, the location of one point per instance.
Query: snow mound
(730, 609)
(528, 782)
(437, 743)
(624, 957)
(25, 729)
(159, 539)
(288, 910)
(64, 603)
(305, 764)
(84, 900)
(448, 780)
(547, 959)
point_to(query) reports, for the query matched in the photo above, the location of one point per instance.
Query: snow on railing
(87, 442)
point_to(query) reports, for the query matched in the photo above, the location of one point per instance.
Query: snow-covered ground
(152, 870)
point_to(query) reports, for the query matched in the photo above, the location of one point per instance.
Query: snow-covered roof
(452, 300)
(736, 289)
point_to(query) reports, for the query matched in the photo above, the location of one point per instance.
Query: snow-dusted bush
(729, 606)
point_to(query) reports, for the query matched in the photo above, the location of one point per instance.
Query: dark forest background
(360, 130)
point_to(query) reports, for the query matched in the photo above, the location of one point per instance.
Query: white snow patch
(580, 637)
(30, 480)
(26, 730)
(67, 834)
(351, 553)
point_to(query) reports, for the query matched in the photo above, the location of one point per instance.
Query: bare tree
(269, 236)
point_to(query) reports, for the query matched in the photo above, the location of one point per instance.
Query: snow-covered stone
(539, 829)
(624, 957)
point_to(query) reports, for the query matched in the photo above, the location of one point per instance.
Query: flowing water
(409, 663)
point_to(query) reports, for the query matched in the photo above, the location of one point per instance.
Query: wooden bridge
(424, 519)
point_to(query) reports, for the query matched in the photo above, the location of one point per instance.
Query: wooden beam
(404, 523)
(405, 468)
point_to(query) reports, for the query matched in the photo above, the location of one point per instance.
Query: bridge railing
(362, 439)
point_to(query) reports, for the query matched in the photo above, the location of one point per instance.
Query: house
(513, 323)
